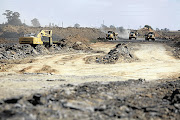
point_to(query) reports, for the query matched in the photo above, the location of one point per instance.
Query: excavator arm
(46, 33)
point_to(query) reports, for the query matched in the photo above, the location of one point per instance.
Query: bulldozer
(150, 35)
(35, 39)
(111, 35)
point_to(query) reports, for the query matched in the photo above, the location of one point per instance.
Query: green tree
(112, 26)
(77, 25)
(12, 17)
(35, 22)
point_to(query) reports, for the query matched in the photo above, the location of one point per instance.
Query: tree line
(13, 18)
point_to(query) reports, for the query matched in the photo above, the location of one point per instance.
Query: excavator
(34, 40)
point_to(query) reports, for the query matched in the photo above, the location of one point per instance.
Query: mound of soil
(19, 51)
(55, 48)
(80, 46)
(14, 32)
(143, 31)
(76, 42)
(165, 35)
(16, 51)
(177, 42)
(41, 49)
(176, 45)
(46, 69)
(121, 53)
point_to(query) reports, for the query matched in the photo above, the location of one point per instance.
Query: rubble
(175, 44)
(41, 49)
(16, 51)
(132, 99)
(99, 100)
(121, 53)
(20, 51)
(80, 46)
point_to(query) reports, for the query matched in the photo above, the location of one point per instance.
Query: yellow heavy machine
(150, 35)
(111, 35)
(33, 39)
(132, 35)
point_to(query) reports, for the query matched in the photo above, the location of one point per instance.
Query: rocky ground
(101, 99)
(68, 39)
(20, 51)
(176, 45)
(78, 79)
(132, 99)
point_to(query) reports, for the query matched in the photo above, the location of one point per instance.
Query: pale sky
(91, 13)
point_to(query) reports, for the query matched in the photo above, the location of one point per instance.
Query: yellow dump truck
(149, 36)
(35, 39)
(132, 35)
(111, 35)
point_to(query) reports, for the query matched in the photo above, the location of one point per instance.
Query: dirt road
(155, 62)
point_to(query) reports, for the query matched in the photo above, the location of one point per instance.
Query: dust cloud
(122, 33)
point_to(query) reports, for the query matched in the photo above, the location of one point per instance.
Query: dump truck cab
(111, 35)
(149, 36)
(132, 35)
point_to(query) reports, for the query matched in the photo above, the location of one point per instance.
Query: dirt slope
(14, 32)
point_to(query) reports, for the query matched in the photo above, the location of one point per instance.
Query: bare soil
(73, 85)
(154, 62)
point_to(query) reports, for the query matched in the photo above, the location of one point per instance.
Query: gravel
(132, 99)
